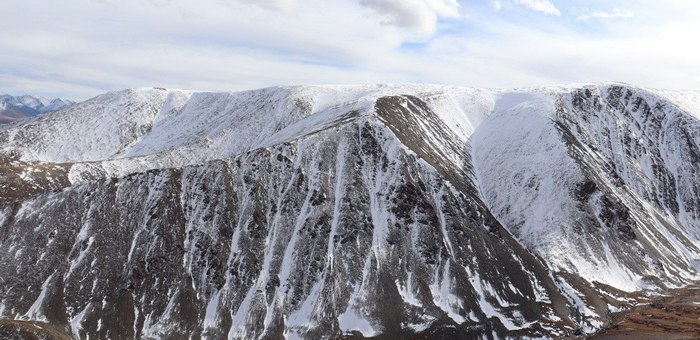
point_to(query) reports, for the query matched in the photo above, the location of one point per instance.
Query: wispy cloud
(418, 15)
(284, 5)
(544, 6)
(79, 48)
(612, 14)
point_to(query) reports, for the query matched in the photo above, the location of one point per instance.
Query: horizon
(78, 49)
(572, 85)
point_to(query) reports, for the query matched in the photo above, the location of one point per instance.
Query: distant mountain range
(14, 108)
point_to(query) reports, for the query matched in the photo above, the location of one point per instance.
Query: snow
(510, 100)
(591, 320)
(35, 312)
(406, 291)
(339, 192)
(482, 288)
(523, 168)
(303, 316)
(443, 298)
(379, 184)
(91, 130)
(419, 327)
(140, 129)
(688, 101)
(76, 322)
(33, 105)
(350, 320)
(239, 319)
(525, 173)
(212, 309)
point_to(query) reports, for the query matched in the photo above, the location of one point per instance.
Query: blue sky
(80, 48)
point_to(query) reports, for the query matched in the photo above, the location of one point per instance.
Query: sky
(77, 49)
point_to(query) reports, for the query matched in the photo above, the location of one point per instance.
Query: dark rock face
(638, 148)
(222, 249)
(377, 223)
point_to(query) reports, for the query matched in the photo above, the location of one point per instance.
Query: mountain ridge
(493, 205)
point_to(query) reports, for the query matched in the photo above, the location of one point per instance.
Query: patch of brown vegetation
(20, 180)
(672, 316)
(16, 329)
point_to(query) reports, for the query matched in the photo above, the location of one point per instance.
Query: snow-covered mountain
(15, 108)
(316, 211)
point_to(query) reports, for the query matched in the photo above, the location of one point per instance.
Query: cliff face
(311, 212)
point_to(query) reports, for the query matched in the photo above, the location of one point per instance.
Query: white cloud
(208, 45)
(79, 48)
(496, 5)
(614, 13)
(544, 6)
(420, 15)
(284, 5)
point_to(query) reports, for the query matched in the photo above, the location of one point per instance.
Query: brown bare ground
(673, 316)
(29, 330)
(19, 181)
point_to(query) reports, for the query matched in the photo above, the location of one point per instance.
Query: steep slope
(316, 211)
(590, 182)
